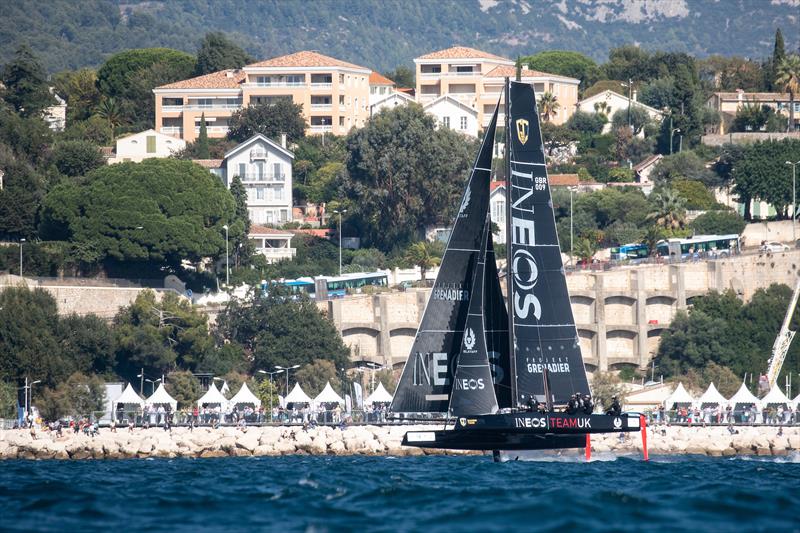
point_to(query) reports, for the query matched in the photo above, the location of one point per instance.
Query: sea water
(433, 494)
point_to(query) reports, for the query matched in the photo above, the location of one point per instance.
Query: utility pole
(794, 198)
(339, 212)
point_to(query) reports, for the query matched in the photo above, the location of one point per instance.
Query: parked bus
(629, 251)
(323, 287)
(700, 246)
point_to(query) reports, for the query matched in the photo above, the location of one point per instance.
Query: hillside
(385, 33)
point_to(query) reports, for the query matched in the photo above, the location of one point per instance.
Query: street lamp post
(287, 369)
(671, 133)
(270, 388)
(227, 264)
(794, 198)
(21, 242)
(571, 190)
(27, 389)
(629, 85)
(340, 212)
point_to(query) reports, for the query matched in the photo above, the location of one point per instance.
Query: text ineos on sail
(523, 232)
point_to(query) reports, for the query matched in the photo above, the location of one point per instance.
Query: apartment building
(334, 95)
(729, 103)
(380, 87)
(475, 78)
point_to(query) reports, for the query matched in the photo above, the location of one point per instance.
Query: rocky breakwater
(358, 440)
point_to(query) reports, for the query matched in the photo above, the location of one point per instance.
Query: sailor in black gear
(578, 402)
(616, 408)
(588, 406)
(531, 404)
(572, 405)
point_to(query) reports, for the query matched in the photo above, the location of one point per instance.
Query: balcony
(457, 73)
(322, 107)
(213, 130)
(254, 177)
(171, 108)
(277, 254)
(430, 75)
(173, 130)
(315, 85)
(205, 107)
(321, 129)
(427, 97)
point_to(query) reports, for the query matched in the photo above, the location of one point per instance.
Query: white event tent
(796, 401)
(743, 397)
(128, 397)
(678, 397)
(245, 397)
(328, 395)
(711, 397)
(212, 397)
(379, 395)
(161, 397)
(775, 396)
(297, 396)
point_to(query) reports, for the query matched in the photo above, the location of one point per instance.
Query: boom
(783, 340)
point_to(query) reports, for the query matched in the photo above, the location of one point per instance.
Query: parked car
(773, 247)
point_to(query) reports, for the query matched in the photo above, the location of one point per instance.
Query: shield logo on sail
(522, 130)
(469, 339)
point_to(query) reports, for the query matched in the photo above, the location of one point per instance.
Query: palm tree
(109, 109)
(670, 209)
(788, 79)
(585, 249)
(602, 108)
(419, 254)
(548, 106)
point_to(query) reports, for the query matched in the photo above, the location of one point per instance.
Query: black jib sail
(496, 324)
(473, 389)
(427, 379)
(544, 333)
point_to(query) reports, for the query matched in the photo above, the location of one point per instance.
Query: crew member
(531, 404)
(616, 408)
(572, 405)
(588, 405)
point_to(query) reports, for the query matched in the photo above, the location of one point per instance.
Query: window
(260, 193)
(276, 171)
(296, 79)
(341, 99)
(269, 217)
(205, 102)
(341, 78)
(341, 121)
(463, 123)
(279, 193)
(284, 216)
(151, 144)
(499, 211)
(243, 171)
(260, 170)
(446, 122)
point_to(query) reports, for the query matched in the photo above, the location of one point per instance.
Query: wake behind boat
(497, 370)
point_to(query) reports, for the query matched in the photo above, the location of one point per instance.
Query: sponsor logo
(430, 369)
(530, 422)
(462, 421)
(470, 384)
(450, 293)
(526, 271)
(421, 436)
(469, 339)
(553, 368)
(522, 130)
(617, 423)
(465, 203)
(570, 423)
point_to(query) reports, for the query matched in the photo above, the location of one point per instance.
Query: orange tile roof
(760, 97)
(306, 58)
(461, 52)
(564, 180)
(263, 230)
(224, 79)
(376, 78)
(208, 163)
(510, 71)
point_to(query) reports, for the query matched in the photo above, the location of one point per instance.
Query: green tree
(242, 246)
(787, 78)
(274, 330)
(548, 106)
(718, 223)
(589, 123)
(585, 249)
(639, 119)
(761, 173)
(161, 336)
(87, 344)
(606, 385)
(8, 400)
(25, 84)
(393, 161)
(697, 196)
(313, 377)
(420, 254)
(564, 63)
(218, 53)
(202, 139)
(604, 85)
(402, 76)
(161, 211)
(79, 396)
(270, 120)
(685, 165)
(79, 89)
(109, 110)
(557, 137)
(184, 387)
(754, 117)
(778, 55)
(20, 196)
(76, 158)
(669, 209)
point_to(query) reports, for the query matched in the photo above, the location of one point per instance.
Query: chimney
(635, 95)
(283, 140)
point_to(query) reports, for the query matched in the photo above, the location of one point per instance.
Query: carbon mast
(512, 367)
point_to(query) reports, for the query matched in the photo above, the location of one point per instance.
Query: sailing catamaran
(479, 362)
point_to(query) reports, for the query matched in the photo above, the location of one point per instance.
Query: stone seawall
(359, 440)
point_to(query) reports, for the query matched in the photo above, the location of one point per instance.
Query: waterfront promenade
(363, 440)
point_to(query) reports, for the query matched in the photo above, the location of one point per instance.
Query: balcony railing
(172, 130)
(169, 108)
(274, 84)
(321, 106)
(429, 96)
(198, 107)
(430, 75)
(470, 73)
(321, 129)
(264, 177)
(219, 130)
(325, 85)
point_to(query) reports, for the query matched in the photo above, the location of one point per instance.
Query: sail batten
(427, 381)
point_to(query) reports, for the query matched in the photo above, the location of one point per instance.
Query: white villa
(393, 100)
(143, 145)
(451, 113)
(273, 244)
(611, 102)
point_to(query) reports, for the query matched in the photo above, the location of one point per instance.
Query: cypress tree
(202, 140)
(771, 68)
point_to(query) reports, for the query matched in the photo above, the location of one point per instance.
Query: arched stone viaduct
(619, 313)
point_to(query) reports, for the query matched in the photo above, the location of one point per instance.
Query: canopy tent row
(379, 395)
(743, 397)
(245, 397)
(680, 397)
(328, 395)
(161, 397)
(297, 396)
(128, 397)
(212, 397)
(711, 397)
(775, 396)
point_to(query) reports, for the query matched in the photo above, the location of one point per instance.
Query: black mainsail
(496, 324)
(473, 389)
(427, 380)
(541, 320)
